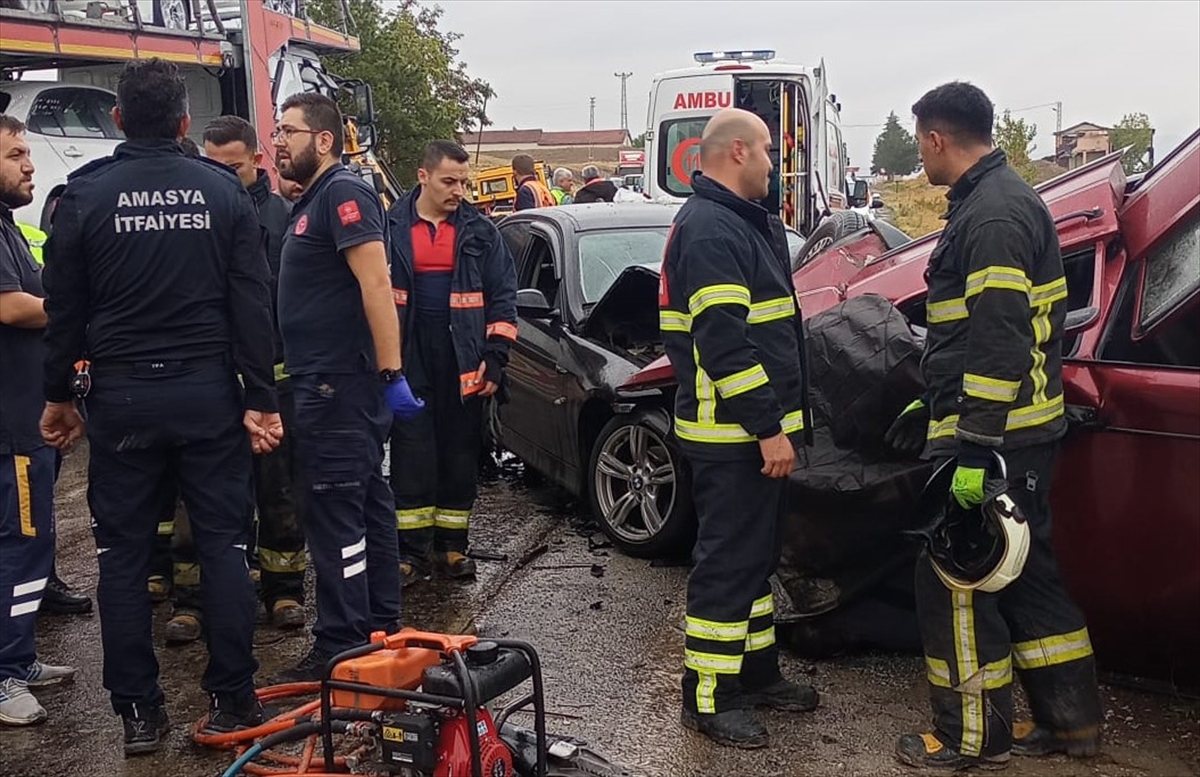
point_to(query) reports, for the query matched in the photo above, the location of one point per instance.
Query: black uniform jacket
(731, 325)
(996, 306)
(157, 256)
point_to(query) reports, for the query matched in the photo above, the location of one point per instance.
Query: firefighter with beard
(341, 345)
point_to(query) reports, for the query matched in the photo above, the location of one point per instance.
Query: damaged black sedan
(588, 320)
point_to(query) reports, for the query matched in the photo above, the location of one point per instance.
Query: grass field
(915, 206)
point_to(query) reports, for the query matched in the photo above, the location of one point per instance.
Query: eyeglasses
(286, 133)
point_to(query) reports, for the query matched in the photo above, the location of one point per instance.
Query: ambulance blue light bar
(756, 55)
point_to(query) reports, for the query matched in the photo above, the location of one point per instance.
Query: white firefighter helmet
(978, 549)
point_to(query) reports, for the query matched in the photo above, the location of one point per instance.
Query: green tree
(895, 149)
(422, 91)
(1134, 130)
(1015, 137)
(639, 141)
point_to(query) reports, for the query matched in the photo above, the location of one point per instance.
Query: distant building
(1081, 143)
(532, 139)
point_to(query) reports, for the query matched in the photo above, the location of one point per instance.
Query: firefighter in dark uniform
(233, 141)
(341, 343)
(155, 270)
(456, 287)
(993, 373)
(733, 333)
(27, 464)
(279, 556)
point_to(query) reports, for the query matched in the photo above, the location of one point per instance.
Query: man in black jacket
(233, 141)
(733, 333)
(455, 284)
(155, 270)
(595, 188)
(993, 373)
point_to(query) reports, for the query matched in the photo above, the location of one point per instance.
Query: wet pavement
(608, 630)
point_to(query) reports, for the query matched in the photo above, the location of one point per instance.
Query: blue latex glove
(967, 486)
(400, 399)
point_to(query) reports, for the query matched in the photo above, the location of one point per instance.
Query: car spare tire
(639, 487)
(840, 224)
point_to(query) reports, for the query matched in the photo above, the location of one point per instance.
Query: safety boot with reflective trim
(784, 696)
(228, 713)
(454, 564)
(1032, 740)
(287, 614)
(44, 675)
(926, 751)
(160, 589)
(145, 726)
(732, 728)
(184, 627)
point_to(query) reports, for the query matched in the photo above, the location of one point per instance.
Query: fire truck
(240, 57)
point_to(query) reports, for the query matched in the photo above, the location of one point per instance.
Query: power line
(624, 101)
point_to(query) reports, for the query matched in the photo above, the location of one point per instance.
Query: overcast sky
(545, 58)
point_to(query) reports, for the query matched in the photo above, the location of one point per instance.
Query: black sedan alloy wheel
(639, 487)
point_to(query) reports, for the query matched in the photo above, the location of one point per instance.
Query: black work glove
(907, 433)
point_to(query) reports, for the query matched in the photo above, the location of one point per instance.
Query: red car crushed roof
(1127, 490)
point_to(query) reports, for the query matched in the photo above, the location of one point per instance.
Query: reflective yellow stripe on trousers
(414, 518)
(1052, 650)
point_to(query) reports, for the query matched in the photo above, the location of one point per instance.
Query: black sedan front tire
(639, 487)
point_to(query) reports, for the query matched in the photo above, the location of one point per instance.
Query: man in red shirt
(455, 285)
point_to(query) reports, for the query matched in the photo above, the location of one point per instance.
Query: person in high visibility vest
(564, 184)
(531, 192)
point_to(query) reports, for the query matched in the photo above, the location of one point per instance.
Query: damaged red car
(1127, 491)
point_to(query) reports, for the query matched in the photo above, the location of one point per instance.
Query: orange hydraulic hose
(294, 766)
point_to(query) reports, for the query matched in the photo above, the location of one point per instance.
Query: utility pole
(1058, 116)
(624, 101)
(591, 125)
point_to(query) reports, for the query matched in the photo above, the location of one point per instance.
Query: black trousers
(729, 643)
(281, 507)
(279, 549)
(26, 552)
(972, 640)
(163, 424)
(341, 424)
(435, 456)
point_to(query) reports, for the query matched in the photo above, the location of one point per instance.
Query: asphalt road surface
(608, 629)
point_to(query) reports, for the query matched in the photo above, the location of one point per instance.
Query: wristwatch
(389, 376)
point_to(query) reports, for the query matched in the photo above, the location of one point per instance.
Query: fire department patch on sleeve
(349, 213)
(302, 224)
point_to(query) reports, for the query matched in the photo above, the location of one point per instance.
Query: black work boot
(60, 599)
(227, 713)
(185, 626)
(451, 563)
(145, 726)
(1033, 740)
(310, 669)
(926, 751)
(412, 572)
(783, 695)
(733, 728)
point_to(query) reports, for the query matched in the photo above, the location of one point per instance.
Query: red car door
(1127, 494)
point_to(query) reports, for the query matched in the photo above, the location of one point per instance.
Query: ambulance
(794, 101)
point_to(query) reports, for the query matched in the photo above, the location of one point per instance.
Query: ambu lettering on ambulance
(168, 219)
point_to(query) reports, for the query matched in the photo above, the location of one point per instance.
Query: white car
(68, 125)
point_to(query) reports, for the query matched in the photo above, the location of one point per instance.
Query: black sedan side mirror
(531, 303)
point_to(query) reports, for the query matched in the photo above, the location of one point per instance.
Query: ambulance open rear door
(780, 103)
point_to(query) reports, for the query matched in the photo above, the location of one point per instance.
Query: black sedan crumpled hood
(628, 312)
